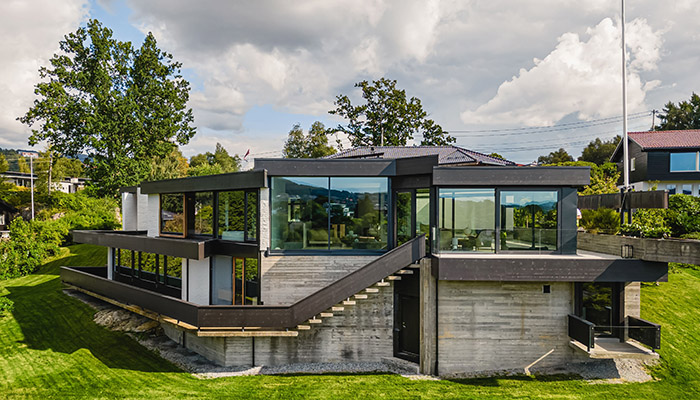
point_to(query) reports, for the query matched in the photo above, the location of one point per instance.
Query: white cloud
(578, 76)
(31, 32)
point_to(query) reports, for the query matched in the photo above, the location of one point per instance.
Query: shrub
(603, 220)
(683, 214)
(639, 230)
(691, 235)
(6, 305)
(30, 243)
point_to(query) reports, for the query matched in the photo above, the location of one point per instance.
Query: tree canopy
(314, 144)
(219, 162)
(598, 151)
(555, 157)
(685, 115)
(387, 114)
(121, 106)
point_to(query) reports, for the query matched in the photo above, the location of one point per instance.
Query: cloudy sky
(518, 78)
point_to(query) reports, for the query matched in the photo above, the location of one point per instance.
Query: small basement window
(546, 288)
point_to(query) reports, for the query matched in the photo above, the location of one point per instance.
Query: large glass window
(237, 214)
(423, 213)
(329, 213)
(203, 213)
(684, 162)
(404, 215)
(299, 216)
(529, 220)
(358, 213)
(172, 214)
(234, 281)
(467, 220)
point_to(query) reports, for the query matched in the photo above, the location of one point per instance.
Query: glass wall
(172, 214)
(203, 213)
(237, 215)
(529, 220)
(467, 220)
(423, 213)
(404, 214)
(234, 281)
(329, 213)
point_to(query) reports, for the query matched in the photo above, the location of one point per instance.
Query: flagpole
(625, 146)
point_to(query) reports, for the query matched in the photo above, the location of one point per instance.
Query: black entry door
(407, 317)
(601, 305)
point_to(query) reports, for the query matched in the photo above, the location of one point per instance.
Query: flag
(246, 155)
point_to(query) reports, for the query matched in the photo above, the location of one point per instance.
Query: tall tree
(119, 105)
(219, 162)
(174, 165)
(23, 165)
(314, 144)
(555, 157)
(598, 151)
(4, 165)
(685, 115)
(387, 117)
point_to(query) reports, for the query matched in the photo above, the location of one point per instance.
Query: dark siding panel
(569, 200)
(658, 168)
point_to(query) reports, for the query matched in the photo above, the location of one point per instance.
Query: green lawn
(50, 348)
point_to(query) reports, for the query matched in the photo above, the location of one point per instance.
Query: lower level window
(234, 281)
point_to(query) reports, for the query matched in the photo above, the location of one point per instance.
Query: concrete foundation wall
(363, 332)
(492, 326)
(633, 291)
(287, 279)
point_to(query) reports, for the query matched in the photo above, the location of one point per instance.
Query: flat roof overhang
(194, 249)
(511, 176)
(347, 167)
(232, 181)
(581, 267)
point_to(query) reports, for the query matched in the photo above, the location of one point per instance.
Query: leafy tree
(174, 165)
(555, 157)
(685, 115)
(4, 165)
(388, 114)
(23, 165)
(312, 145)
(219, 162)
(598, 151)
(603, 177)
(496, 155)
(119, 105)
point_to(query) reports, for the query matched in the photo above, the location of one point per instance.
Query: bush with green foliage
(683, 214)
(6, 305)
(602, 220)
(30, 243)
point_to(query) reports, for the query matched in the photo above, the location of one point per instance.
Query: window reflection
(204, 213)
(529, 220)
(403, 217)
(467, 220)
(358, 213)
(299, 216)
(172, 215)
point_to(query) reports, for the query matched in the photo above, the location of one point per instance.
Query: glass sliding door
(234, 281)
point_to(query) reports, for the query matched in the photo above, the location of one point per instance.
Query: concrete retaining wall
(663, 250)
(287, 279)
(494, 326)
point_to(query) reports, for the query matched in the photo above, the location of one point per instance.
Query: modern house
(463, 267)
(24, 179)
(666, 159)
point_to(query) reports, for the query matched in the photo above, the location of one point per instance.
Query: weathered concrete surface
(663, 250)
(287, 279)
(492, 326)
(633, 292)
(363, 332)
(428, 317)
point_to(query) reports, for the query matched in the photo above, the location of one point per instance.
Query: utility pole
(31, 156)
(653, 119)
(625, 147)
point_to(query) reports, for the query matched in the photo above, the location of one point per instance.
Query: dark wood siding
(659, 164)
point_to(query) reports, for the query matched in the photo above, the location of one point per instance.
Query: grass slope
(50, 348)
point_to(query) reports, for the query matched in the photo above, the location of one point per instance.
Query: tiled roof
(446, 154)
(667, 139)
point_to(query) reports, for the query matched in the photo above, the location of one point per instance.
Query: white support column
(110, 263)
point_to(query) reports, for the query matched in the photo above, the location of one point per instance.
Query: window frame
(497, 204)
(184, 220)
(246, 193)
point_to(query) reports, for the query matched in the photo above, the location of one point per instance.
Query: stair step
(383, 284)
(349, 302)
(315, 321)
(337, 308)
(326, 314)
(404, 272)
(416, 266)
(393, 278)
(360, 296)
(303, 327)
(372, 290)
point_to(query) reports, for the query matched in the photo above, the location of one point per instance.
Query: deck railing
(644, 332)
(582, 331)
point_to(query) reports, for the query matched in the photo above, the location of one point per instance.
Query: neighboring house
(462, 269)
(7, 213)
(24, 179)
(666, 159)
(447, 155)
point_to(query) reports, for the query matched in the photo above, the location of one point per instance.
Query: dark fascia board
(326, 167)
(416, 165)
(511, 176)
(128, 189)
(194, 249)
(543, 269)
(232, 181)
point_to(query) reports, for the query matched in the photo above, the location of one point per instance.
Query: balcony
(641, 333)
